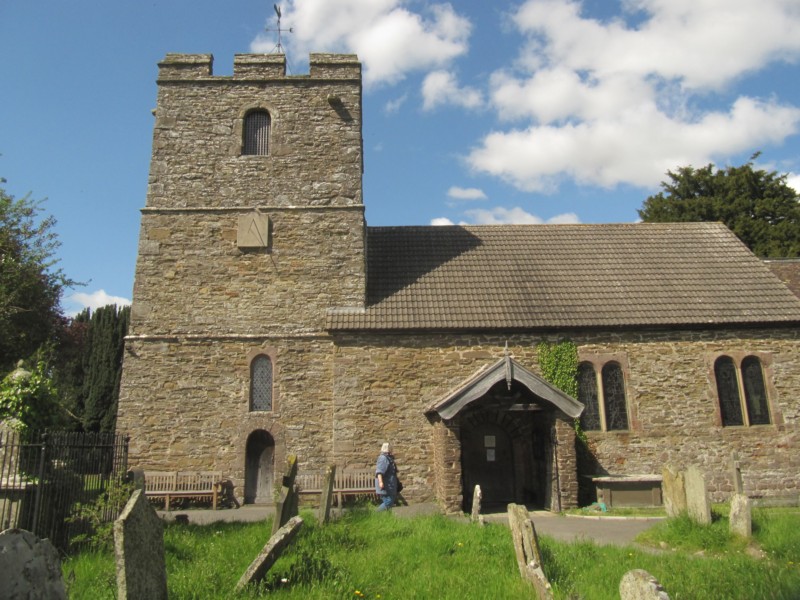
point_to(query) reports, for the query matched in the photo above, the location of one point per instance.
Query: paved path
(602, 530)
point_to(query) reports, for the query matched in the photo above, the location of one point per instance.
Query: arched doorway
(506, 448)
(487, 460)
(259, 468)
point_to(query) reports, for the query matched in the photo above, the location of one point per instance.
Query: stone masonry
(204, 307)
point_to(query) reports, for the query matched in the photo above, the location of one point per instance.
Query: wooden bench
(196, 484)
(347, 482)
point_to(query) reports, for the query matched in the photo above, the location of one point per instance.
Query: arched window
(755, 392)
(261, 383)
(602, 392)
(741, 391)
(256, 133)
(730, 404)
(587, 394)
(614, 396)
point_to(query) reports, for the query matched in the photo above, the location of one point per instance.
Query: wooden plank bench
(347, 482)
(195, 484)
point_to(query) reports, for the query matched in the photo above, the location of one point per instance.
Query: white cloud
(636, 146)
(793, 181)
(703, 43)
(605, 103)
(390, 40)
(94, 301)
(440, 221)
(441, 87)
(392, 106)
(460, 193)
(515, 216)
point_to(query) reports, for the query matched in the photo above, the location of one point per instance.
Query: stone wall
(336, 400)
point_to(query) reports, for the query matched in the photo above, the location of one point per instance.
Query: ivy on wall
(559, 365)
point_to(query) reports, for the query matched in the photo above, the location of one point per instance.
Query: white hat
(385, 448)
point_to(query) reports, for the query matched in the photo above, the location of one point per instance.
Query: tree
(757, 205)
(28, 398)
(30, 283)
(102, 367)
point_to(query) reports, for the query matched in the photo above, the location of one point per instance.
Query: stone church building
(268, 319)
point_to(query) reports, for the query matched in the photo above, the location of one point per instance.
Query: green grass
(368, 555)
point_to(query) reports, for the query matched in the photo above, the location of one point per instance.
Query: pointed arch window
(261, 383)
(741, 391)
(256, 130)
(601, 389)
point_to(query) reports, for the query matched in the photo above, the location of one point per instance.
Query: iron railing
(44, 475)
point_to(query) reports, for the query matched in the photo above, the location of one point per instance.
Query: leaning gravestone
(29, 568)
(640, 585)
(673, 490)
(698, 504)
(139, 551)
(272, 551)
(741, 516)
(327, 494)
(526, 547)
(287, 504)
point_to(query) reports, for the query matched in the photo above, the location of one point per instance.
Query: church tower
(253, 228)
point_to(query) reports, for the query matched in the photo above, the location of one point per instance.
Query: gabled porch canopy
(509, 370)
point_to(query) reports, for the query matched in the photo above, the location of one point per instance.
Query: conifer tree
(102, 367)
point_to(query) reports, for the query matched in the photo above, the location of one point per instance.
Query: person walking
(386, 478)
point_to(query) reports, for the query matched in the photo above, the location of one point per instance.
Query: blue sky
(474, 111)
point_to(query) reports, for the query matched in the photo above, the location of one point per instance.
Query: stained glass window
(256, 133)
(587, 394)
(261, 383)
(755, 393)
(614, 395)
(730, 405)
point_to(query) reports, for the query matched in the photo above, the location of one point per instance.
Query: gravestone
(526, 547)
(477, 496)
(272, 551)
(139, 551)
(327, 494)
(136, 477)
(673, 490)
(741, 516)
(287, 504)
(30, 568)
(640, 585)
(698, 504)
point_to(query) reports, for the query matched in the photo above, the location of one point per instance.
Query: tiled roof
(787, 270)
(555, 276)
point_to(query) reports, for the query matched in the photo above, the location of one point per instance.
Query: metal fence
(43, 476)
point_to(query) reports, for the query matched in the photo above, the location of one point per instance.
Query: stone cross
(640, 585)
(526, 546)
(272, 551)
(698, 504)
(286, 506)
(139, 551)
(327, 494)
(736, 471)
(29, 567)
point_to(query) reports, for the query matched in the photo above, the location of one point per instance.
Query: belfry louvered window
(741, 392)
(602, 392)
(261, 383)
(256, 133)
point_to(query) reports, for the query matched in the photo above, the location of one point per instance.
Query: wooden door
(487, 459)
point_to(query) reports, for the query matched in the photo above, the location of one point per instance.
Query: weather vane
(279, 46)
